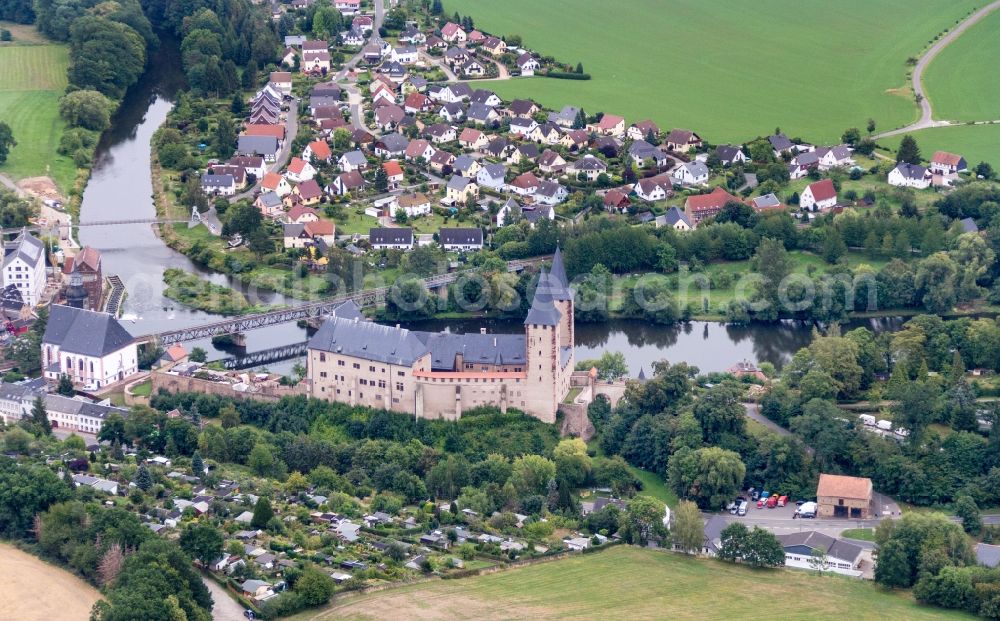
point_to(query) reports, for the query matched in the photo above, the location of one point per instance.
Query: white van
(867, 419)
(743, 508)
(807, 510)
(884, 425)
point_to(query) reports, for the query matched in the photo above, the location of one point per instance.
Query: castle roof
(543, 312)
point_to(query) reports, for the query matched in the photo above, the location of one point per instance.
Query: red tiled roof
(277, 131)
(300, 210)
(320, 149)
(296, 166)
(609, 121)
(320, 228)
(392, 168)
(271, 181)
(716, 200)
(470, 135)
(823, 190)
(838, 486)
(944, 157)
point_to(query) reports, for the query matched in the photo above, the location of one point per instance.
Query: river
(120, 188)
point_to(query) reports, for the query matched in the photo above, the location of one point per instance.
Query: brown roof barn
(843, 496)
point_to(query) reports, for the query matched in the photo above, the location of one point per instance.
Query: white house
(299, 170)
(352, 160)
(589, 166)
(90, 347)
(675, 219)
(404, 55)
(550, 193)
(491, 176)
(819, 195)
(692, 173)
(946, 163)
(819, 552)
(910, 176)
(391, 238)
(654, 189)
(24, 266)
(461, 239)
(413, 205)
(832, 157)
(523, 126)
(79, 415)
(528, 64)
(222, 185)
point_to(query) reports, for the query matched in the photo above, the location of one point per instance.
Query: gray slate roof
(257, 145)
(84, 332)
(369, 341)
(837, 548)
(461, 236)
(493, 349)
(27, 247)
(543, 312)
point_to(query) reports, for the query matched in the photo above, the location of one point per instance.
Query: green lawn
(962, 82)
(976, 143)
(32, 78)
(143, 390)
(633, 583)
(351, 222)
(729, 70)
(864, 534)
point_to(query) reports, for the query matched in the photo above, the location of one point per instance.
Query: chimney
(482, 330)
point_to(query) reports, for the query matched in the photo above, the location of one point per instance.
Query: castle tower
(562, 297)
(542, 329)
(76, 295)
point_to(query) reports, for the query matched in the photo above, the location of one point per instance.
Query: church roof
(84, 332)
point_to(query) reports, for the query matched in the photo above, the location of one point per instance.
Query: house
(282, 82)
(472, 139)
(456, 56)
(87, 264)
(765, 202)
(413, 205)
(577, 544)
(476, 37)
(394, 172)
(355, 37)
(485, 97)
(395, 71)
(616, 201)
(523, 126)
(643, 153)
(452, 111)
(833, 157)
(525, 184)
(308, 192)
(523, 152)
(499, 148)
(315, 62)
(703, 206)
(318, 149)
(654, 189)
(548, 132)
(294, 40)
(466, 166)
(364, 23)
(383, 95)
(819, 195)
(691, 173)
(682, 140)
(404, 55)
(221, 185)
(439, 133)
(527, 64)
(275, 131)
(302, 235)
(675, 219)
(945, 163)
(608, 145)
(256, 589)
(346, 183)
(269, 204)
(461, 239)
(299, 170)
(252, 164)
(419, 148)
(435, 42)
(388, 117)
(509, 213)
(729, 155)
(273, 182)
(781, 144)
(453, 33)
(238, 173)
(494, 46)
(588, 168)
(442, 161)
(642, 130)
(412, 36)
(391, 238)
(843, 496)
(300, 214)
(481, 114)
(90, 347)
(460, 189)
(550, 193)
(565, 117)
(551, 162)
(522, 107)
(492, 176)
(910, 176)
(575, 140)
(609, 125)
(348, 7)
(391, 145)
(417, 102)
(820, 552)
(265, 146)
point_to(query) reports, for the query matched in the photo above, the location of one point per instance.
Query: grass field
(976, 143)
(729, 70)
(961, 82)
(32, 78)
(632, 583)
(33, 590)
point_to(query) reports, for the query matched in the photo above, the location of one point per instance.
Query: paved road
(291, 131)
(926, 113)
(379, 18)
(225, 608)
(753, 413)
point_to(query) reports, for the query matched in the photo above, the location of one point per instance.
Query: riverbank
(33, 590)
(194, 292)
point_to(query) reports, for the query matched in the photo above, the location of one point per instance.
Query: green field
(32, 78)
(962, 82)
(633, 583)
(729, 70)
(976, 143)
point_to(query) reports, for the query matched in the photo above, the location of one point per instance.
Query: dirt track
(33, 590)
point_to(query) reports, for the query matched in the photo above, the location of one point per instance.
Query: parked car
(754, 494)
(782, 501)
(868, 420)
(772, 501)
(806, 510)
(743, 508)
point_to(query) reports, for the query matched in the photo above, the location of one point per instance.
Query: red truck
(772, 501)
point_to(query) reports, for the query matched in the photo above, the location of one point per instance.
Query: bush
(565, 75)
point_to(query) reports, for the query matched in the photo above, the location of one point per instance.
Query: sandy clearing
(33, 590)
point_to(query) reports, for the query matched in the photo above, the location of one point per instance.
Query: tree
(7, 141)
(871, 125)
(66, 386)
(851, 136)
(40, 417)
(818, 560)
(531, 474)
(262, 513)
(572, 461)
(198, 355)
(908, 151)
(261, 459)
(202, 542)
(611, 366)
(936, 280)
(984, 170)
(763, 549)
(197, 464)
(710, 476)
(225, 137)
(381, 179)
(966, 508)
(688, 530)
(315, 587)
(733, 541)
(643, 519)
(774, 265)
(579, 67)
(143, 479)
(87, 109)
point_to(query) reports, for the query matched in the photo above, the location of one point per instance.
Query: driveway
(225, 608)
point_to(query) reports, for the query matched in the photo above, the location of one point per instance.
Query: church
(438, 375)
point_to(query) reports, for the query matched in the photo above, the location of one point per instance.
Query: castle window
(340, 363)
(322, 357)
(356, 365)
(322, 373)
(399, 386)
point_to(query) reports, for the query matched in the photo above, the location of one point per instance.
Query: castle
(439, 374)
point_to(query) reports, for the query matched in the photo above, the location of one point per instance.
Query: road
(291, 131)
(379, 18)
(225, 608)
(753, 413)
(8, 183)
(355, 101)
(926, 112)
